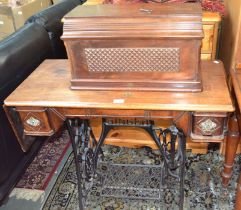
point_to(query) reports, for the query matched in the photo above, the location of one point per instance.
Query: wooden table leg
(231, 148)
(238, 195)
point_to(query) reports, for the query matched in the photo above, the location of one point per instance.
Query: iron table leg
(86, 150)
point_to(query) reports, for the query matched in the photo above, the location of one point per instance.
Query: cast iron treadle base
(128, 181)
(132, 181)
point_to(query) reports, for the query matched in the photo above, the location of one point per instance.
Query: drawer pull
(33, 122)
(208, 126)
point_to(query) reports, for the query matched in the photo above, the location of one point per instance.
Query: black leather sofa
(20, 54)
(50, 19)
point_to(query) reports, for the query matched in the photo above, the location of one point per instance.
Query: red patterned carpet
(39, 173)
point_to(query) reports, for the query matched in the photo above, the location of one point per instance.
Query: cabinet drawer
(35, 122)
(208, 126)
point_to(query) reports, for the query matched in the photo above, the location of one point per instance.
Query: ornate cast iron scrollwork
(88, 163)
(83, 142)
(175, 157)
(171, 143)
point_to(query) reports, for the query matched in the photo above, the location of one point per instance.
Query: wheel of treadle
(88, 163)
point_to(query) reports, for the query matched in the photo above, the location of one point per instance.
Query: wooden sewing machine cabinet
(40, 105)
(140, 47)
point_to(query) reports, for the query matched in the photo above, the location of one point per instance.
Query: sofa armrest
(50, 19)
(20, 54)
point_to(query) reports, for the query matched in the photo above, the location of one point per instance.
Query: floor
(203, 188)
(28, 199)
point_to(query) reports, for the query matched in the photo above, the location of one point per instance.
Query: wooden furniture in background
(211, 24)
(234, 133)
(230, 47)
(231, 34)
(231, 55)
(210, 42)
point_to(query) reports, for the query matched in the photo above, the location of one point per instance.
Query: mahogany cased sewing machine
(154, 47)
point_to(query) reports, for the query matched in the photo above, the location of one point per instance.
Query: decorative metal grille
(132, 181)
(132, 59)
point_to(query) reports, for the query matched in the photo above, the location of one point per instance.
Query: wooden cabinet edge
(211, 16)
(24, 141)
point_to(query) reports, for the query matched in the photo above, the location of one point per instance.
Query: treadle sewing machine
(131, 70)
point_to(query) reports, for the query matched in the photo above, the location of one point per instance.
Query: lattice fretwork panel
(132, 59)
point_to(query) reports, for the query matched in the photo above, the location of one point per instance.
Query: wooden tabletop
(49, 86)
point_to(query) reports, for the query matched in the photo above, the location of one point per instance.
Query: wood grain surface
(49, 86)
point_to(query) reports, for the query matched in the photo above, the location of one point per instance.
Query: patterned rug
(41, 170)
(203, 188)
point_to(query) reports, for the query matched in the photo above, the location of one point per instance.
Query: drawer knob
(208, 126)
(33, 122)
